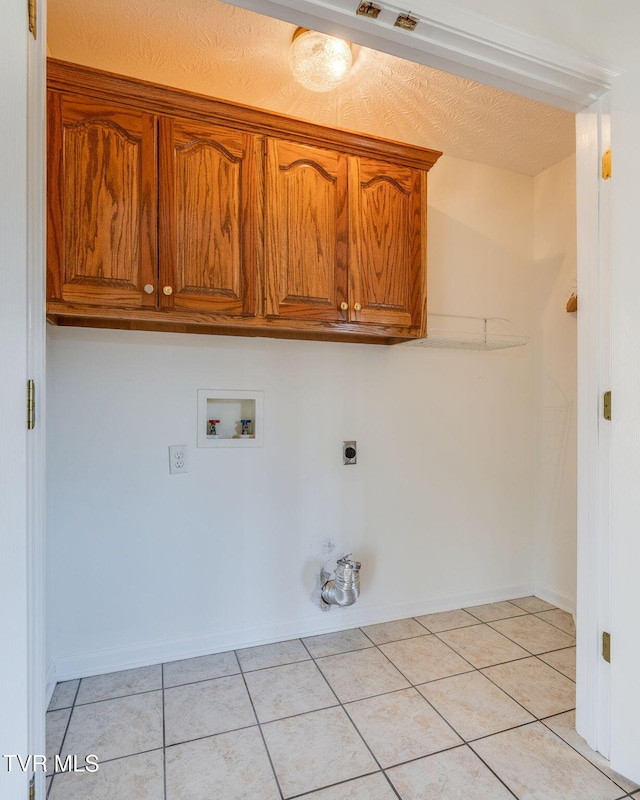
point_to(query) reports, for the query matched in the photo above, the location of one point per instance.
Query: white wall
(146, 566)
(556, 382)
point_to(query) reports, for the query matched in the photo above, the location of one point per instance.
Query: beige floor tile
(204, 708)
(534, 763)
(561, 619)
(373, 787)
(425, 659)
(63, 695)
(360, 674)
(293, 689)
(482, 646)
(447, 620)
(56, 726)
(393, 631)
(231, 766)
(534, 634)
(330, 644)
(113, 728)
(139, 777)
(119, 684)
(272, 655)
(562, 660)
(532, 604)
(453, 775)
(564, 725)
(492, 611)
(473, 705)
(401, 726)
(201, 668)
(539, 688)
(316, 750)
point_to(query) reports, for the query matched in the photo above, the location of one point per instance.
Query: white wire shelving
(453, 332)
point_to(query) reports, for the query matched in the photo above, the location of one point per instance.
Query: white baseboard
(96, 662)
(50, 684)
(556, 598)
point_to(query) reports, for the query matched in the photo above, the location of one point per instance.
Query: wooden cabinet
(387, 272)
(306, 229)
(102, 207)
(344, 238)
(172, 211)
(208, 218)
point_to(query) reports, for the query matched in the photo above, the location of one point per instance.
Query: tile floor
(475, 704)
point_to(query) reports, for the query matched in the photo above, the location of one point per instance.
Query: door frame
(22, 129)
(467, 44)
(460, 42)
(36, 366)
(593, 700)
(22, 332)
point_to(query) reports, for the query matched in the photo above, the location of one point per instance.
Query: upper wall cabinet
(387, 273)
(208, 218)
(306, 230)
(172, 211)
(102, 205)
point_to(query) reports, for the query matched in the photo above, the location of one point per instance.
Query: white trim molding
(594, 435)
(96, 662)
(461, 42)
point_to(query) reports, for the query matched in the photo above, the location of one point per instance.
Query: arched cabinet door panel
(306, 230)
(102, 203)
(209, 246)
(387, 266)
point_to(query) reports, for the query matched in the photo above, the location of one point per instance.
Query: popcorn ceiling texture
(223, 51)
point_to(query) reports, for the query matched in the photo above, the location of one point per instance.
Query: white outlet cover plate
(178, 459)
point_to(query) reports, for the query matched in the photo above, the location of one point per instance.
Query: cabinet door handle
(148, 288)
(357, 307)
(168, 290)
(344, 306)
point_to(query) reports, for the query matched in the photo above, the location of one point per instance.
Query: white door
(21, 451)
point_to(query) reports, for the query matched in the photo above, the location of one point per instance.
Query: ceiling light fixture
(319, 62)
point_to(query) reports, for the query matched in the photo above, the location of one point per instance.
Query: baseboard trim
(96, 662)
(556, 598)
(50, 683)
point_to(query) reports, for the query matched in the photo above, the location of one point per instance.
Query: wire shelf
(478, 333)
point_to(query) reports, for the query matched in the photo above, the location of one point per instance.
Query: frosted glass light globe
(319, 62)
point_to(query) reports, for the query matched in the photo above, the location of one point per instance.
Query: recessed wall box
(234, 411)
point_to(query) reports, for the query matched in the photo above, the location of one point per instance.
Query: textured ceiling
(223, 51)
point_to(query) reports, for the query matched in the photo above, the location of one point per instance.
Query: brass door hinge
(606, 165)
(606, 647)
(606, 406)
(31, 405)
(31, 5)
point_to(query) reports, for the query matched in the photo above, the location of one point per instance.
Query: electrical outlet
(349, 452)
(178, 459)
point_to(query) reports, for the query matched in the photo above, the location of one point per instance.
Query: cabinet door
(388, 243)
(306, 228)
(102, 203)
(209, 245)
